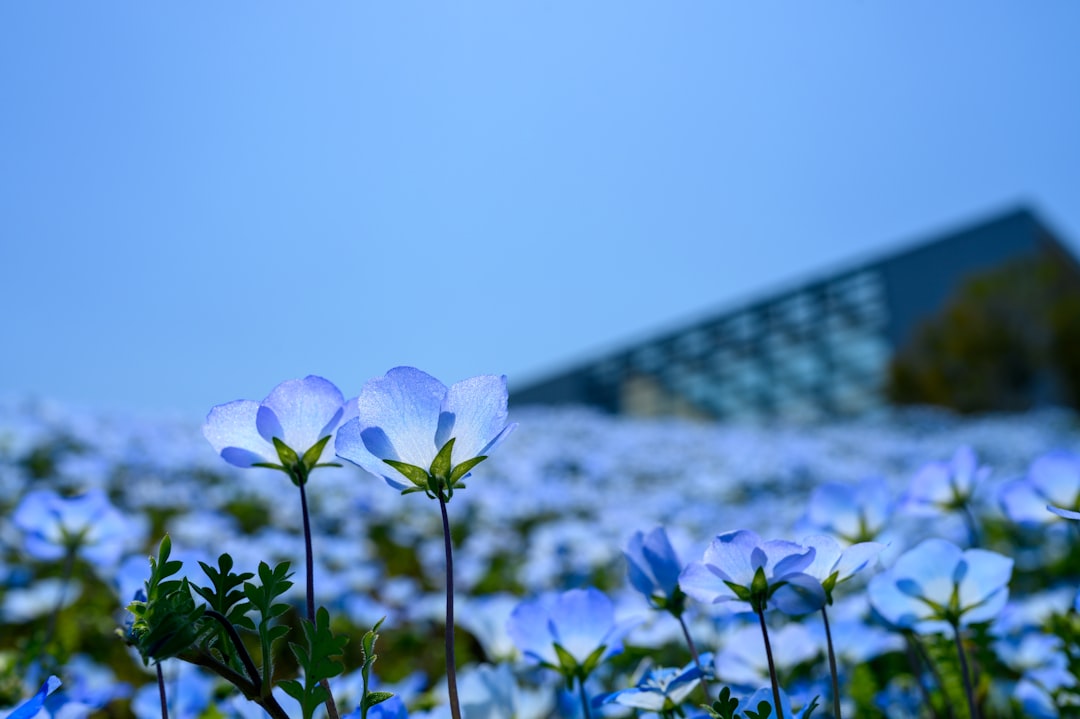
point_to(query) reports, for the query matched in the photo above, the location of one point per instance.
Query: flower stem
(161, 691)
(584, 698)
(972, 525)
(832, 665)
(309, 560)
(965, 672)
(65, 579)
(451, 671)
(772, 666)
(241, 650)
(917, 654)
(694, 654)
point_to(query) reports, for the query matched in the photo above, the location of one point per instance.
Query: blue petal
(307, 409)
(405, 404)
(233, 426)
(351, 443)
(474, 413)
(33, 705)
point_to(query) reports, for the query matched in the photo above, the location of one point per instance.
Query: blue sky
(200, 200)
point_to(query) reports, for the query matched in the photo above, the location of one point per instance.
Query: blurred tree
(1008, 339)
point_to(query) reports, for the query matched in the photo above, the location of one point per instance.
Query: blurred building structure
(820, 349)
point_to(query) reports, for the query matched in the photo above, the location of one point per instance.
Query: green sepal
(410, 490)
(286, 453)
(464, 468)
(592, 660)
(414, 474)
(759, 587)
(740, 591)
(568, 665)
(270, 465)
(441, 465)
(311, 457)
(810, 709)
(829, 585)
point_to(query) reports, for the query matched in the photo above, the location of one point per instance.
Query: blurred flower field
(552, 510)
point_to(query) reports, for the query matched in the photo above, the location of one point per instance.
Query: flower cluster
(945, 562)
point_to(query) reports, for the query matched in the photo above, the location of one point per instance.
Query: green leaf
(725, 705)
(316, 656)
(311, 457)
(273, 583)
(764, 711)
(464, 468)
(372, 698)
(413, 473)
(440, 466)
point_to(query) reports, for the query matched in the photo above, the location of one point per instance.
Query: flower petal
(473, 412)
(231, 430)
(308, 409)
(405, 405)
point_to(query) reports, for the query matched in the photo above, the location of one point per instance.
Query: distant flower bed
(600, 566)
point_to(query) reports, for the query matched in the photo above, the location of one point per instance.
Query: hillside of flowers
(601, 567)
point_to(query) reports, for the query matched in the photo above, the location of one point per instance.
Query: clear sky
(201, 199)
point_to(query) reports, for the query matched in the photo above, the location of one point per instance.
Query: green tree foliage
(1008, 339)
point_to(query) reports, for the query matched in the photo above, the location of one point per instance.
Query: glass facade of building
(819, 350)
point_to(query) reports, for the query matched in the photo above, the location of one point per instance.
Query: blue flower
(571, 632)
(660, 689)
(855, 513)
(946, 486)
(740, 567)
(834, 564)
(88, 525)
(292, 425)
(1052, 482)
(654, 569)
(407, 418)
(937, 585)
(34, 704)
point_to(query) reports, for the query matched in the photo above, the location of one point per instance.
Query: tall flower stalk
(288, 431)
(421, 436)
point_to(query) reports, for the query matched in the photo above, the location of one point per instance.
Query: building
(820, 349)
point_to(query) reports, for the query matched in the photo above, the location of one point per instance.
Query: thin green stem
(772, 666)
(917, 654)
(832, 665)
(694, 654)
(972, 525)
(161, 692)
(241, 650)
(451, 670)
(65, 580)
(965, 672)
(309, 559)
(584, 698)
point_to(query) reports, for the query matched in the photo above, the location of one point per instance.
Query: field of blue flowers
(900, 566)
